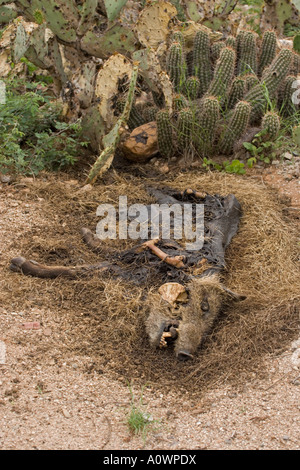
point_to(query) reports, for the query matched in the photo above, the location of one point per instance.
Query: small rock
(66, 413)
(287, 156)
(275, 162)
(27, 180)
(142, 144)
(47, 331)
(295, 344)
(5, 179)
(85, 188)
(34, 325)
(164, 169)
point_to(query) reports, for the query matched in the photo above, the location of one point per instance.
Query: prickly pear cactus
(113, 8)
(7, 14)
(280, 15)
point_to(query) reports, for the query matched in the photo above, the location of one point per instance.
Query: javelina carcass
(183, 319)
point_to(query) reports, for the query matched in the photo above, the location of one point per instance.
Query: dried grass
(104, 318)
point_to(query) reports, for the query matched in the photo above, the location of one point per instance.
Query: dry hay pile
(103, 318)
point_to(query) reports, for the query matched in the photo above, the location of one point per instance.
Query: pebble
(66, 413)
(5, 179)
(35, 325)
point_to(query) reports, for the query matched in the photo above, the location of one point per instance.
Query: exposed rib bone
(176, 261)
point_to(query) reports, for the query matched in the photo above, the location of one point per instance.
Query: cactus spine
(201, 60)
(236, 127)
(223, 73)
(271, 125)
(164, 133)
(176, 66)
(268, 50)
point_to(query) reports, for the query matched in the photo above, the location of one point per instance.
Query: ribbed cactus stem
(237, 91)
(271, 125)
(277, 71)
(149, 113)
(179, 102)
(158, 98)
(248, 53)
(236, 127)
(295, 66)
(135, 118)
(268, 50)
(164, 133)
(286, 93)
(192, 88)
(239, 40)
(176, 66)
(224, 72)
(216, 49)
(205, 128)
(231, 41)
(273, 77)
(185, 127)
(178, 36)
(202, 67)
(251, 80)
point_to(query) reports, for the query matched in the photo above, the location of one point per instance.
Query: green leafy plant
(260, 150)
(235, 166)
(33, 137)
(138, 420)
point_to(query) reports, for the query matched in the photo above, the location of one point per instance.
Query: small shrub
(33, 136)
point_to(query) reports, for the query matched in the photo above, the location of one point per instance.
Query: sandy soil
(52, 398)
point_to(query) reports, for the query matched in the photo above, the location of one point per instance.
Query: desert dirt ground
(59, 392)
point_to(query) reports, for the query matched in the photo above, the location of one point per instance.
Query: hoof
(16, 264)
